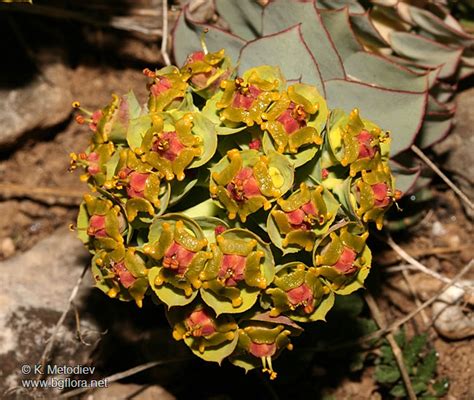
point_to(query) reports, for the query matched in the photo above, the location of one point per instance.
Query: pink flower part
(125, 277)
(219, 229)
(232, 269)
(168, 145)
(298, 218)
(380, 191)
(244, 185)
(199, 80)
(97, 226)
(324, 173)
(262, 349)
(301, 295)
(196, 56)
(292, 119)
(365, 148)
(136, 184)
(345, 264)
(245, 100)
(255, 144)
(93, 160)
(178, 258)
(96, 116)
(162, 85)
(200, 323)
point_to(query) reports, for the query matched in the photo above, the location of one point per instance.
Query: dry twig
(438, 172)
(52, 339)
(397, 352)
(416, 264)
(383, 331)
(412, 290)
(164, 39)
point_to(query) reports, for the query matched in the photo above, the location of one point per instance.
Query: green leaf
(352, 5)
(426, 53)
(399, 391)
(205, 129)
(366, 31)
(214, 353)
(83, 223)
(111, 165)
(405, 178)
(179, 189)
(377, 70)
(399, 112)
(210, 112)
(441, 387)
(222, 305)
(429, 22)
(282, 14)
(319, 314)
(435, 128)
(412, 350)
(286, 50)
(387, 373)
(136, 130)
(338, 25)
(134, 108)
(167, 293)
(427, 369)
(243, 17)
(188, 32)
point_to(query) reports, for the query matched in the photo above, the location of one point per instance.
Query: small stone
(7, 247)
(43, 103)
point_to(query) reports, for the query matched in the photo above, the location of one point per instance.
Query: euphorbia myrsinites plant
(242, 203)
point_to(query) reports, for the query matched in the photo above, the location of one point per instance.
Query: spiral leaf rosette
(235, 198)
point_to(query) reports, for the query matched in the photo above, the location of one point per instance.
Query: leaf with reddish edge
(243, 16)
(426, 52)
(280, 320)
(435, 128)
(405, 178)
(282, 14)
(338, 25)
(377, 70)
(366, 31)
(286, 50)
(429, 22)
(400, 112)
(353, 5)
(187, 32)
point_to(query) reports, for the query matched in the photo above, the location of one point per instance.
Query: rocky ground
(41, 261)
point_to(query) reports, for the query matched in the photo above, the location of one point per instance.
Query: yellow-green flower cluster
(207, 199)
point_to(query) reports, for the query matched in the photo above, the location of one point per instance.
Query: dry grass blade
(438, 172)
(397, 352)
